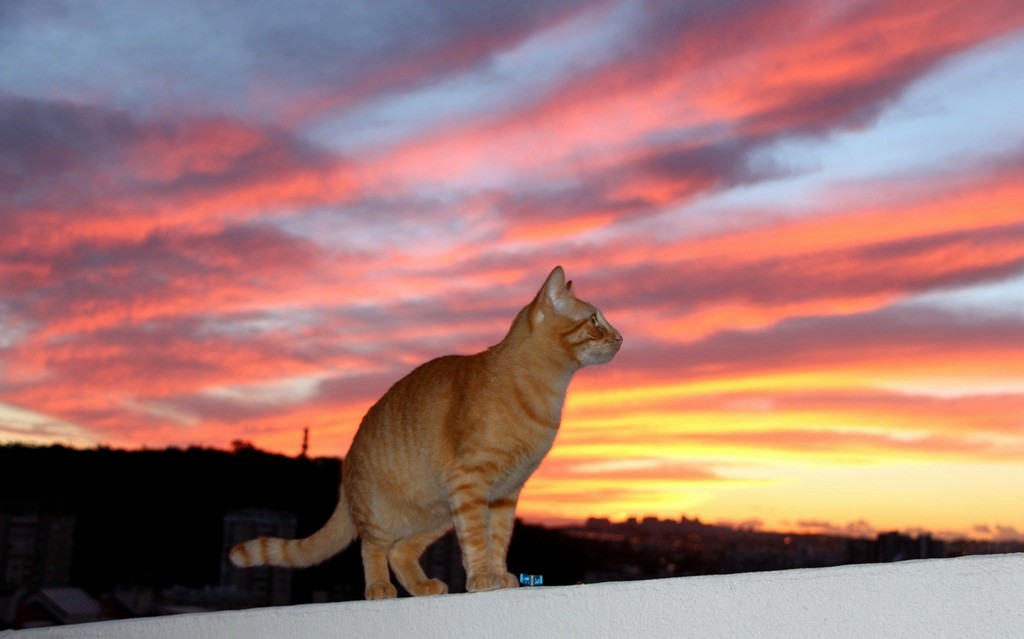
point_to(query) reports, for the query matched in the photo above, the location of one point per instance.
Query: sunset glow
(806, 219)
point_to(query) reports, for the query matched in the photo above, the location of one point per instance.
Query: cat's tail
(335, 536)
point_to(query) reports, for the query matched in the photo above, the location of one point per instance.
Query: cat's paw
(430, 587)
(489, 581)
(381, 590)
(508, 580)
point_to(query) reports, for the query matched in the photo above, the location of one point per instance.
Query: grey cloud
(241, 57)
(802, 342)
(66, 157)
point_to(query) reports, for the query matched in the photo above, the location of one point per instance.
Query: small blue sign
(531, 580)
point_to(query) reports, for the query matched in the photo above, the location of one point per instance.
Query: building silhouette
(35, 549)
(265, 585)
(894, 546)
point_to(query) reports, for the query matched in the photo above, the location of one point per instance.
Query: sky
(227, 221)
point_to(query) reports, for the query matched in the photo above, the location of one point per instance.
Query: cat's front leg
(502, 521)
(471, 514)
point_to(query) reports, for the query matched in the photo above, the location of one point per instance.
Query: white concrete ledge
(967, 597)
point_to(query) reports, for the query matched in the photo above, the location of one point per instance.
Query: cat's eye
(594, 320)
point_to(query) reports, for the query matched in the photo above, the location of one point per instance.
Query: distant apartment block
(267, 586)
(893, 546)
(35, 549)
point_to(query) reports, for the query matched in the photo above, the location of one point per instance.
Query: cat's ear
(552, 297)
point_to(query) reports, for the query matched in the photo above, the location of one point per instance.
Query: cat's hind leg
(404, 557)
(375, 568)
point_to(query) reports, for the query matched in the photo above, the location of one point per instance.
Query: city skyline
(806, 219)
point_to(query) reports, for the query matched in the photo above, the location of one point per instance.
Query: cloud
(753, 523)
(627, 469)
(839, 351)
(17, 424)
(887, 268)
(294, 65)
(43, 138)
(90, 171)
(997, 533)
(1008, 533)
(660, 89)
(635, 185)
(100, 283)
(859, 528)
(863, 445)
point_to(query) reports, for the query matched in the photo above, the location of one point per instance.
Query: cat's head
(581, 328)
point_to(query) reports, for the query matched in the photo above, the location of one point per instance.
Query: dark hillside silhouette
(156, 516)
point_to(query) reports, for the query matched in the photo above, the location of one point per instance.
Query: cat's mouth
(609, 347)
(615, 341)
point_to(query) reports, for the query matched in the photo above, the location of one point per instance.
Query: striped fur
(453, 442)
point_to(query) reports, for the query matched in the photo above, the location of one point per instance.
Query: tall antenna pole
(305, 442)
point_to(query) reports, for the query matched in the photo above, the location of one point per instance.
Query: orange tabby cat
(454, 441)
